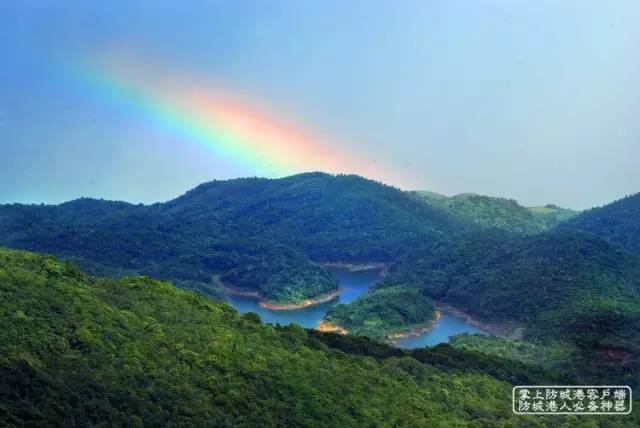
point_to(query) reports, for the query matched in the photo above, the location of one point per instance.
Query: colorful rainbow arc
(223, 122)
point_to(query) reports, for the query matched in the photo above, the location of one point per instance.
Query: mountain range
(567, 282)
(252, 233)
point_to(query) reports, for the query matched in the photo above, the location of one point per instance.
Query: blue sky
(534, 100)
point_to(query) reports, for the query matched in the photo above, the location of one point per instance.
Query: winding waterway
(352, 285)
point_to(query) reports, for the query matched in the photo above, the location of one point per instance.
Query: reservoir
(445, 327)
(352, 285)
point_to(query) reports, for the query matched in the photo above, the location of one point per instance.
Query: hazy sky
(534, 100)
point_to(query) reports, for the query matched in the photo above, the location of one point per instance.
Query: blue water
(352, 285)
(446, 327)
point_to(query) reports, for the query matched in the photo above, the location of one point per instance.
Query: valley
(478, 286)
(352, 284)
(136, 352)
(354, 281)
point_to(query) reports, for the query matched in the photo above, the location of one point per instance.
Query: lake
(446, 327)
(352, 285)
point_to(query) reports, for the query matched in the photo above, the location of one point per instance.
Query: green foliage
(447, 358)
(549, 355)
(618, 221)
(80, 351)
(573, 291)
(330, 218)
(255, 233)
(382, 312)
(563, 286)
(551, 215)
(488, 212)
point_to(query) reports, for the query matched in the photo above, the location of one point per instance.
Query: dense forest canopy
(255, 233)
(575, 293)
(563, 286)
(137, 352)
(618, 221)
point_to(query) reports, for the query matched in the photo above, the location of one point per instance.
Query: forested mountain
(562, 285)
(618, 221)
(330, 218)
(111, 238)
(487, 212)
(79, 351)
(254, 233)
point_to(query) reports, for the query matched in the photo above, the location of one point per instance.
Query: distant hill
(331, 218)
(551, 215)
(252, 233)
(81, 351)
(618, 221)
(487, 211)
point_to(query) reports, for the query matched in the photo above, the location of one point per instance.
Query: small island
(383, 314)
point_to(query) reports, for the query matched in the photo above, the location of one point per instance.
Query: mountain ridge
(253, 232)
(489, 211)
(618, 221)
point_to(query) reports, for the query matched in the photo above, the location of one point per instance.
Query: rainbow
(222, 121)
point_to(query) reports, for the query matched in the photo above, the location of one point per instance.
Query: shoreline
(318, 300)
(503, 330)
(281, 306)
(393, 338)
(356, 267)
(241, 292)
(329, 327)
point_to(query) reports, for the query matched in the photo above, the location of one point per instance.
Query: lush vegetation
(80, 351)
(618, 221)
(255, 233)
(384, 311)
(446, 358)
(575, 293)
(549, 355)
(563, 286)
(551, 215)
(330, 218)
(489, 212)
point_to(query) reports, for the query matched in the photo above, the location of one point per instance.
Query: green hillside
(254, 233)
(329, 218)
(550, 215)
(618, 221)
(563, 285)
(80, 351)
(487, 212)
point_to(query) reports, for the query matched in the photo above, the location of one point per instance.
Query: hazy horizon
(535, 101)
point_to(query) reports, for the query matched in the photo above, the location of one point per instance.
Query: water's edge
(354, 281)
